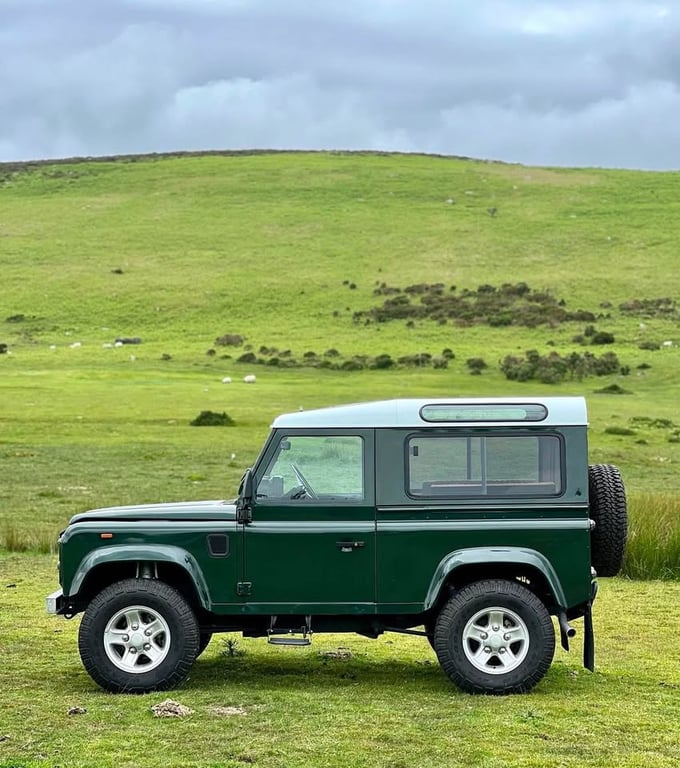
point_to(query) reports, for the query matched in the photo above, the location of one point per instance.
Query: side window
(325, 467)
(484, 466)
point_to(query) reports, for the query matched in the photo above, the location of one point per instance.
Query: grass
(653, 548)
(345, 701)
(181, 250)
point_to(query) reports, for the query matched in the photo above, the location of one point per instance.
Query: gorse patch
(509, 304)
(212, 419)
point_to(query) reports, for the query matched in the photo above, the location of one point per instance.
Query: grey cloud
(562, 82)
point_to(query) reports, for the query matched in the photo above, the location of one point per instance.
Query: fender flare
(494, 556)
(156, 553)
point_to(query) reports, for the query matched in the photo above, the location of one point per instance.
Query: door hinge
(244, 588)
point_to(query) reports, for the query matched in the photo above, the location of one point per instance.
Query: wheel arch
(107, 565)
(464, 566)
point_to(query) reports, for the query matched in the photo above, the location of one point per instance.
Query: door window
(306, 468)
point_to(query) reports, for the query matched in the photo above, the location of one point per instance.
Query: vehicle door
(310, 541)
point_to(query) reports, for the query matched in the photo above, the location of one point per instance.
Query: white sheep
(75, 345)
(226, 380)
(250, 378)
(667, 344)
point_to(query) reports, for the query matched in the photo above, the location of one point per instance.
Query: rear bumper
(54, 603)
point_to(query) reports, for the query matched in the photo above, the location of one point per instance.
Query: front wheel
(494, 637)
(138, 635)
(203, 642)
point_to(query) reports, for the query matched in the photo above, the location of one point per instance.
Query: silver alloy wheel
(137, 639)
(495, 640)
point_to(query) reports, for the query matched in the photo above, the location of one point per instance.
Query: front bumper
(54, 603)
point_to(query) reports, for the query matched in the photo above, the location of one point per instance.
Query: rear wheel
(495, 637)
(608, 511)
(138, 635)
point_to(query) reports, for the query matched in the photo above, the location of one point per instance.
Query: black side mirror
(245, 498)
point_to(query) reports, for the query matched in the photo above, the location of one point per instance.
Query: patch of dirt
(340, 653)
(170, 708)
(228, 711)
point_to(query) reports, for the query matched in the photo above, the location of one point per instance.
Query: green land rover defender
(471, 522)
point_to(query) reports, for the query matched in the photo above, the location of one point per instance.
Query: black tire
(203, 642)
(138, 635)
(429, 629)
(523, 639)
(608, 510)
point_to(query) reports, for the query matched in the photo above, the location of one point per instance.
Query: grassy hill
(297, 253)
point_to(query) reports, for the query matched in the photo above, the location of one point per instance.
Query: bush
(229, 340)
(507, 305)
(612, 389)
(382, 362)
(247, 357)
(616, 430)
(649, 345)
(476, 365)
(212, 419)
(553, 368)
(602, 337)
(352, 365)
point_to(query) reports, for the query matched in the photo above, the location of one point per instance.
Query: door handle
(349, 546)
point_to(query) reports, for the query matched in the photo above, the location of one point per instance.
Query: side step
(288, 635)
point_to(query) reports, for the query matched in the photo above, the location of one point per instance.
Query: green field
(345, 701)
(283, 250)
(288, 250)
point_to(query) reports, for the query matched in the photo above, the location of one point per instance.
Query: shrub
(612, 389)
(649, 345)
(419, 360)
(212, 419)
(602, 337)
(507, 305)
(382, 362)
(352, 365)
(247, 357)
(553, 368)
(229, 340)
(622, 431)
(476, 365)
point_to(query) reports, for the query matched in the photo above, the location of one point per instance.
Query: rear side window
(526, 465)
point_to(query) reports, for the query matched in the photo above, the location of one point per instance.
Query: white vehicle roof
(439, 412)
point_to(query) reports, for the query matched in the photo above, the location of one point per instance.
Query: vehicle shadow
(304, 669)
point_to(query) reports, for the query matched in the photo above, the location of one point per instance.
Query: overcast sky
(560, 82)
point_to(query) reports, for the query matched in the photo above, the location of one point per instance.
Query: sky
(559, 82)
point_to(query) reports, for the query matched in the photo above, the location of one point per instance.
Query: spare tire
(608, 511)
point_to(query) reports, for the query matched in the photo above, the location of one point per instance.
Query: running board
(289, 635)
(289, 640)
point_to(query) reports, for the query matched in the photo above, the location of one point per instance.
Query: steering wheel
(304, 482)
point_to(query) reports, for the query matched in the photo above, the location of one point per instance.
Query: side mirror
(245, 498)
